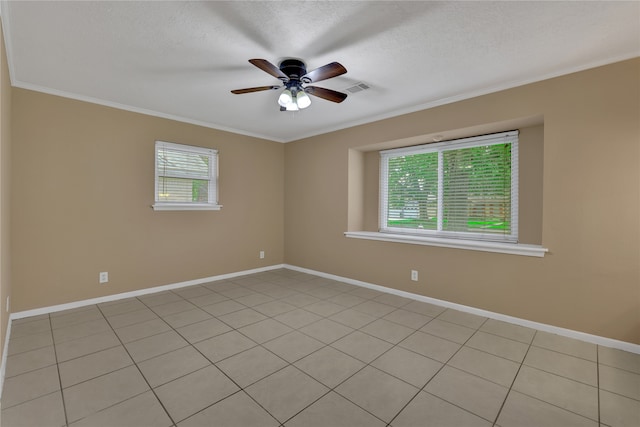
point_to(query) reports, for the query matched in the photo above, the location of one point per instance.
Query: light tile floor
(283, 348)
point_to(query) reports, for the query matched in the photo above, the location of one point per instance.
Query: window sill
(473, 245)
(185, 207)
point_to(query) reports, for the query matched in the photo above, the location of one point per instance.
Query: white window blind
(186, 177)
(466, 188)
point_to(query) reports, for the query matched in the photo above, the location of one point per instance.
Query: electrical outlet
(414, 275)
(104, 277)
(261, 254)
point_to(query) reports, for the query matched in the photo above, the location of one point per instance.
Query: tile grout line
(55, 355)
(139, 371)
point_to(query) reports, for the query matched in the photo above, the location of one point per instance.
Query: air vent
(358, 87)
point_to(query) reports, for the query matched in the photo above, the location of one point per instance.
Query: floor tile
(324, 308)
(499, 346)
(394, 300)
(427, 410)
(86, 345)
(45, 411)
(80, 330)
(297, 318)
(346, 300)
(265, 330)
(30, 385)
(377, 392)
(143, 410)
(273, 308)
(619, 359)
(29, 361)
(616, 410)
(194, 392)
(27, 328)
(29, 342)
(192, 292)
(293, 346)
(225, 345)
(566, 345)
(102, 392)
(251, 365)
(326, 330)
(121, 306)
(237, 410)
(172, 365)
(430, 346)
(159, 298)
(620, 382)
(562, 364)
(424, 308)
(362, 346)
(142, 330)
(509, 330)
(200, 331)
(241, 318)
(449, 331)
(286, 392)
(185, 318)
(408, 318)
(373, 308)
(224, 307)
(252, 300)
(365, 293)
(565, 393)
(469, 392)
(493, 368)
(204, 300)
(335, 411)
(408, 366)
(179, 306)
(388, 331)
(93, 365)
(329, 366)
(131, 318)
(155, 345)
(300, 299)
(91, 313)
(235, 292)
(523, 411)
(353, 318)
(462, 318)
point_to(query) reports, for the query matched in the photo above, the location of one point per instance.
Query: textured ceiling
(181, 59)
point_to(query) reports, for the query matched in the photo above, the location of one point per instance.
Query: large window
(186, 177)
(465, 188)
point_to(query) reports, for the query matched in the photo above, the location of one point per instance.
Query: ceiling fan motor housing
(293, 68)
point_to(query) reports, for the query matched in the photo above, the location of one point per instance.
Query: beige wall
(590, 211)
(82, 187)
(5, 190)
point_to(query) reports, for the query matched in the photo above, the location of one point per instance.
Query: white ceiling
(180, 59)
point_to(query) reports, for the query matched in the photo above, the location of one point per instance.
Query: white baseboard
(3, 366)
(594, 339)
(115, 297)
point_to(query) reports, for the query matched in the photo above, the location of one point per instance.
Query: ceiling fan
(294, 76)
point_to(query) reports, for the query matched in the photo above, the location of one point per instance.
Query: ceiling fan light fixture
(302, 99)
(286, 98)
(292, 106)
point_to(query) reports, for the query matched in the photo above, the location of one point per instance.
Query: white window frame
(440, 147)
(212, 204)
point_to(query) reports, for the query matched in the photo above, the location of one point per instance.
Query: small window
(186, 177)
(465, 189)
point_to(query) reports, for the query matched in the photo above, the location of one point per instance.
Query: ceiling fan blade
(268, 67)
(254, 89)
(328, 71)
(328, 94)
